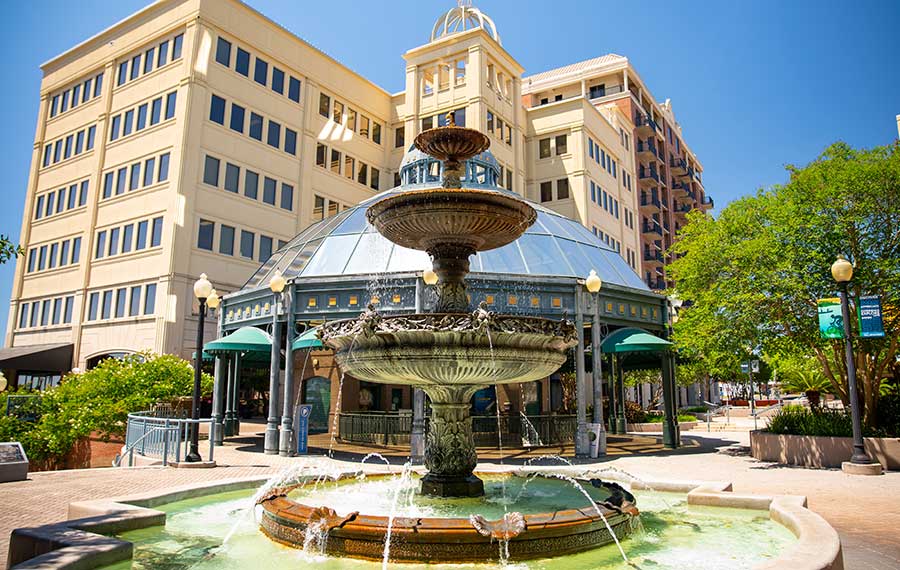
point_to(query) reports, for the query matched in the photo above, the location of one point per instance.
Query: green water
(674, 537)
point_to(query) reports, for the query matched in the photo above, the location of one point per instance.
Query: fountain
(450, 354)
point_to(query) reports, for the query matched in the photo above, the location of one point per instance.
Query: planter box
(657, 427)
(820, 451)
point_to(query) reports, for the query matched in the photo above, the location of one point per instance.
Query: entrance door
(318, 393)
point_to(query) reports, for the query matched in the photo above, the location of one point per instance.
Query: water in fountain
(533, 438)
(402, 482)
(580, 488)
(376, 456)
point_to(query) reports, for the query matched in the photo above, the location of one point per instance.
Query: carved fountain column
(450, 448)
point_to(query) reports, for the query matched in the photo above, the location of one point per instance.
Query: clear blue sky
(755, 84)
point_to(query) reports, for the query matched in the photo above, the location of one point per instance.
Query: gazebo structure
(336, 267)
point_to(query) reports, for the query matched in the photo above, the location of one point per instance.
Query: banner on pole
(831, 323)
(870, 321)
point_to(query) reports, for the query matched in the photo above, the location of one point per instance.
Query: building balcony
(682, 208)
(647, 177)
(645, 126)
(646, 150)
(651, 229)
(707, 203)
(682, 190)
(598, 92)
(653, 257)
(650, 203)
(678, 165)
(697, 176)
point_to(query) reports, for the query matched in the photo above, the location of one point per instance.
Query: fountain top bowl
(452, 143)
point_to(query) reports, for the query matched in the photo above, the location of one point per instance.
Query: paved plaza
(864, 510)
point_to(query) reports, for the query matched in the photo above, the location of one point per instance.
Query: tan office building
(197, 136)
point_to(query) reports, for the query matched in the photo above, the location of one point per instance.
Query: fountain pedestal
(450, 449)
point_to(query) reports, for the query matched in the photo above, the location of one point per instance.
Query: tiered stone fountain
(450, 354)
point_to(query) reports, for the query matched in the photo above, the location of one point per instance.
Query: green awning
(632, 339)
(308, 339)
(207, 357)
(244, 340)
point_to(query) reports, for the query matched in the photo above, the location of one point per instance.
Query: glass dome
(346, 244)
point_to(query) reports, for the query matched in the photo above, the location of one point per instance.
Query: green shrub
(798, 420)
(694, 410)
(99, 400)
(658, 418)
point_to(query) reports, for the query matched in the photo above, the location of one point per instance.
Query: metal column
(286, 441)
(582, 444)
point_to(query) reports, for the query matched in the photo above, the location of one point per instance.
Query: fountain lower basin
(571, 525)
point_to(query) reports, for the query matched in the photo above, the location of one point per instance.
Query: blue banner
(870, 322)
(831, 323)
(301, 428)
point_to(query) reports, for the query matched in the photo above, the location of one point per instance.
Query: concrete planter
(820, 451)
(657, 427)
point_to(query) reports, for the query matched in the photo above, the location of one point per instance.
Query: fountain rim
(561, 524)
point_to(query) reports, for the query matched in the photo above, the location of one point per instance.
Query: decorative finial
(464, 3)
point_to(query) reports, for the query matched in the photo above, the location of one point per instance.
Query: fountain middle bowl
(438, 350)
(570, 523)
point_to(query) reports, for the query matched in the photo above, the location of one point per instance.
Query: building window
(256, 126)
(290, 141)
(211, 171)
(141, 242)
(337, 113)
(287, 197)
(294, 90)
(374, 183)
(277, 80)
(205, 235)
(376, 132)
(237, 118)
(318, 208)
(251, 184)
(93, 305)
(106, 307)
(163, 168)
(335, 161)
(561, 145)
(399, 137)
(265, 248)
(324, 105)
(247, 244)
(242, 62)
(261, 71)
(546, 191)
(226, 240)
(544, 148)
(269, 187)
(321, 153)
(232, 177)
(217, 110)
(149, 298)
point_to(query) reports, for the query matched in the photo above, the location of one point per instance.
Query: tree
(9, 250)
(753, 275)
(802, 373)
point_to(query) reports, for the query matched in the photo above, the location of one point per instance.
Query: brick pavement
(865, 511)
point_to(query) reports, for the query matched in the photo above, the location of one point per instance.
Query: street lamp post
(842, 271)
(593, 285)
(203, 289)
(270, 444)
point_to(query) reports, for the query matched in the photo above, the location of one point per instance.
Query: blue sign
(301, 427)
(870, 322)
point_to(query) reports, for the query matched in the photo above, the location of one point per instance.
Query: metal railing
(381, 428)
(648, 173)
(646, 146)
(162, 438)
(650, 200)
(387, 428)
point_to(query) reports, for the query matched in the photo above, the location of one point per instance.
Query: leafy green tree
(753, 274)
(98, 402)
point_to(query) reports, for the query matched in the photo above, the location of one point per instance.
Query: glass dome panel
(331, 258)
(506, 259)
(542, 256)
(371, 255)
(405, 259)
